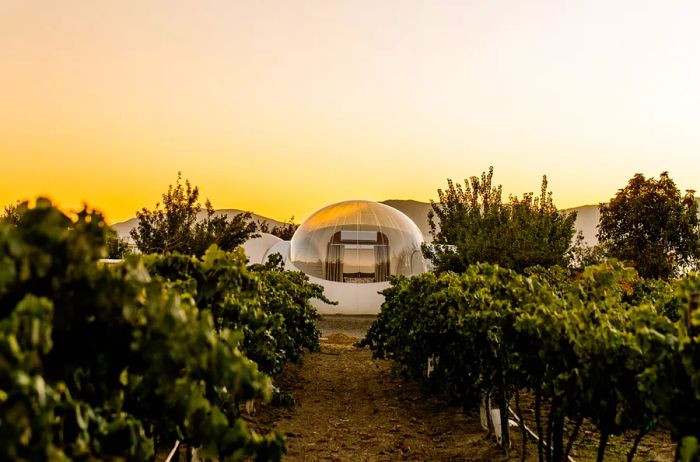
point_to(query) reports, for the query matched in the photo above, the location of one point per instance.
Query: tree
(475, 226)
(284, 231)
(98, 362)
(117, 247)
(11, 213)
(177, 228)
(219, 230)
(582, 255)
(651, 226)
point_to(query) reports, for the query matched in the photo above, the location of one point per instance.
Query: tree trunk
(523, 432)
(538, 424)
(503, 408)
(601, 446)
(489, 420)
(572, 438)
(558, 434)
(550, 427)
(635, 445)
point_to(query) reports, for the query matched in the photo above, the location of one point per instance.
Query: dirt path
(350, 408)
(352, 326)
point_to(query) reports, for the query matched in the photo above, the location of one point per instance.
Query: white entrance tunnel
(258, 249)
(351, 248)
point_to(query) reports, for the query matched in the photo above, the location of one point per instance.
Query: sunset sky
(281, 107)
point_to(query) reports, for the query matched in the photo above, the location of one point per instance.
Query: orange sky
(283, 107)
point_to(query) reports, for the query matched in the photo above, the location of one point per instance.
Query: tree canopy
(176, 226)
(650, 225)
(471, 224)
(117, 247)
(11, 213)
(284, 231)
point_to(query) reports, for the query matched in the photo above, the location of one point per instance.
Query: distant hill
(587, 217)
(416, 211)
(123, 228)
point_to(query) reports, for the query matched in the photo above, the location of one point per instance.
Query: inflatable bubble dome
(357, 241)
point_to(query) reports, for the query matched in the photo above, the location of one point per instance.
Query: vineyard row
(620, 352)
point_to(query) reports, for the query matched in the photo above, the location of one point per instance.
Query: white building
(350, 248)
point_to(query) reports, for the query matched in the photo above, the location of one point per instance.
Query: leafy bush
(97, 361)
(471, 224)
(177, 227)
(269, 306)
(599, 347)
(652, 226)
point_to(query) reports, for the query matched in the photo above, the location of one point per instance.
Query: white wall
(257, 249)
(353, 299)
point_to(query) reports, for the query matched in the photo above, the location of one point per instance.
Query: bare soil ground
(352, 326)
(656, 446)
(350, 407)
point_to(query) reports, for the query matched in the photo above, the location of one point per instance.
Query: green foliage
(117, 247)
(677, 384)
(11, 213)
(651, 226)
(218, 230)
(689, 450)
(597, 347)
(582, 255)
(269, 306)
(96, 361)
(284, 231)
(176, 227)
(475, 226)
(288, 294)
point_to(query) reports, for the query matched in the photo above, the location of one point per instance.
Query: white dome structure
(351, 248)
(258, 248)
(357, 242)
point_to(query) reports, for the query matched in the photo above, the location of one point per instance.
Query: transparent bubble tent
(350, 249)
(357, 242)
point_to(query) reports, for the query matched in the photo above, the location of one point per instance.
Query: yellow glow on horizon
(283, 108)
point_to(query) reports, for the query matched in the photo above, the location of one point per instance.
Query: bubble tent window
(357, 242)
